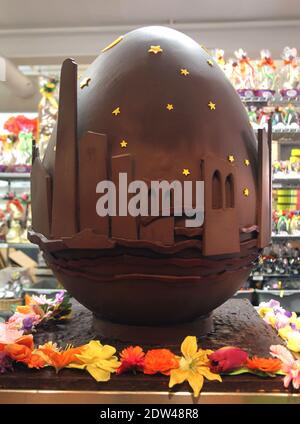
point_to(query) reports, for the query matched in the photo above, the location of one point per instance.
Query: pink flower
(17, 320)
(227, 359)
(290, 365)
(41, 299)
(9, 335)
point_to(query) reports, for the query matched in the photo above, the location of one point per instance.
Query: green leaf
(245, 370)
(238, 371)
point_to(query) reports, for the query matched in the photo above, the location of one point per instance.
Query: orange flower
(160, 360)
(132, 358)
(24, 309)
(34, 307)
(58, 358)
(18, 352)
(26, 341)
(28, 299)
(36, 361)
(270, 365)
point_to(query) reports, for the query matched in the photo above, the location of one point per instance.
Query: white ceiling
(65, 13)
(45, 31)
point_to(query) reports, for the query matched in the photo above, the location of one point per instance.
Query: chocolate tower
(155, 106)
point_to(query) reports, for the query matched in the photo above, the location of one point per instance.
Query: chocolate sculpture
(156, 106)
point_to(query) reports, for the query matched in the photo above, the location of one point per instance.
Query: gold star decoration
(210, 62)
(185, 172)
(113, 44)
(117, 111)
(170, 106)
(123, 144)
(85, 82)
(212, 105)
(247, 162)
(246, 192)
(184, 72)
(231, 158)
(155, 49)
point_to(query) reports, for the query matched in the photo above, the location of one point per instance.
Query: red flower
(132, 358)
(227, 359)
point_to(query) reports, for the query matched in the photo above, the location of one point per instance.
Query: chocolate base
(158, 335)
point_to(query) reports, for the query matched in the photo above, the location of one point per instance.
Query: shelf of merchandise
(8, 176)
(261, 277)
(16, 176)
(287, 182)
(286, 136)
(18, 246)
(276, 100)
(285, 237)
(43, 272)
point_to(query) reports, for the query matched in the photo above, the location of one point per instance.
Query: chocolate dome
(153, 104)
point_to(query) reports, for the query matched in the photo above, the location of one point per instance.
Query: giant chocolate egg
(155, 106)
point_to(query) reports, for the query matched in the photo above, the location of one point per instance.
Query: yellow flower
(297, 323)
(193, 366)
(98, 360)
(285, 332)
(264, 310)
(293, 341)
(294, 319)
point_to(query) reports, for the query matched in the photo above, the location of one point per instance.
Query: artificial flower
(160, 361)
(263, 310)
(18, 352)
(132, 358)
(5, 363)
(8, 335)
(272, 304)
(40, 300)
(227, 359)
(100, 361)
(57, 358)
(26, 340)
(290, 365)
(26, 322)
(293, 341)
(285, 332)
(267, 365)
(193, 366)
(59, 298)
(24, 309)
(270, 318)
(36, 361)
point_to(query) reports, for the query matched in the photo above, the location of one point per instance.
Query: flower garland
(287, 325)
(194, 365)
(285, 322)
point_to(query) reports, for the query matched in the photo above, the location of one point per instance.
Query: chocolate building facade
(153, 104)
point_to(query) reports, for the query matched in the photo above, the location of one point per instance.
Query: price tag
(258, 278)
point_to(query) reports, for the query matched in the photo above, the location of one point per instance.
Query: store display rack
(287, 138)
(17, 246)
(8, 176)
(11, 178)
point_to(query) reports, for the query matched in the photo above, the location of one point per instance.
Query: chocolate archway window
(229, 191)
(216, 191)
